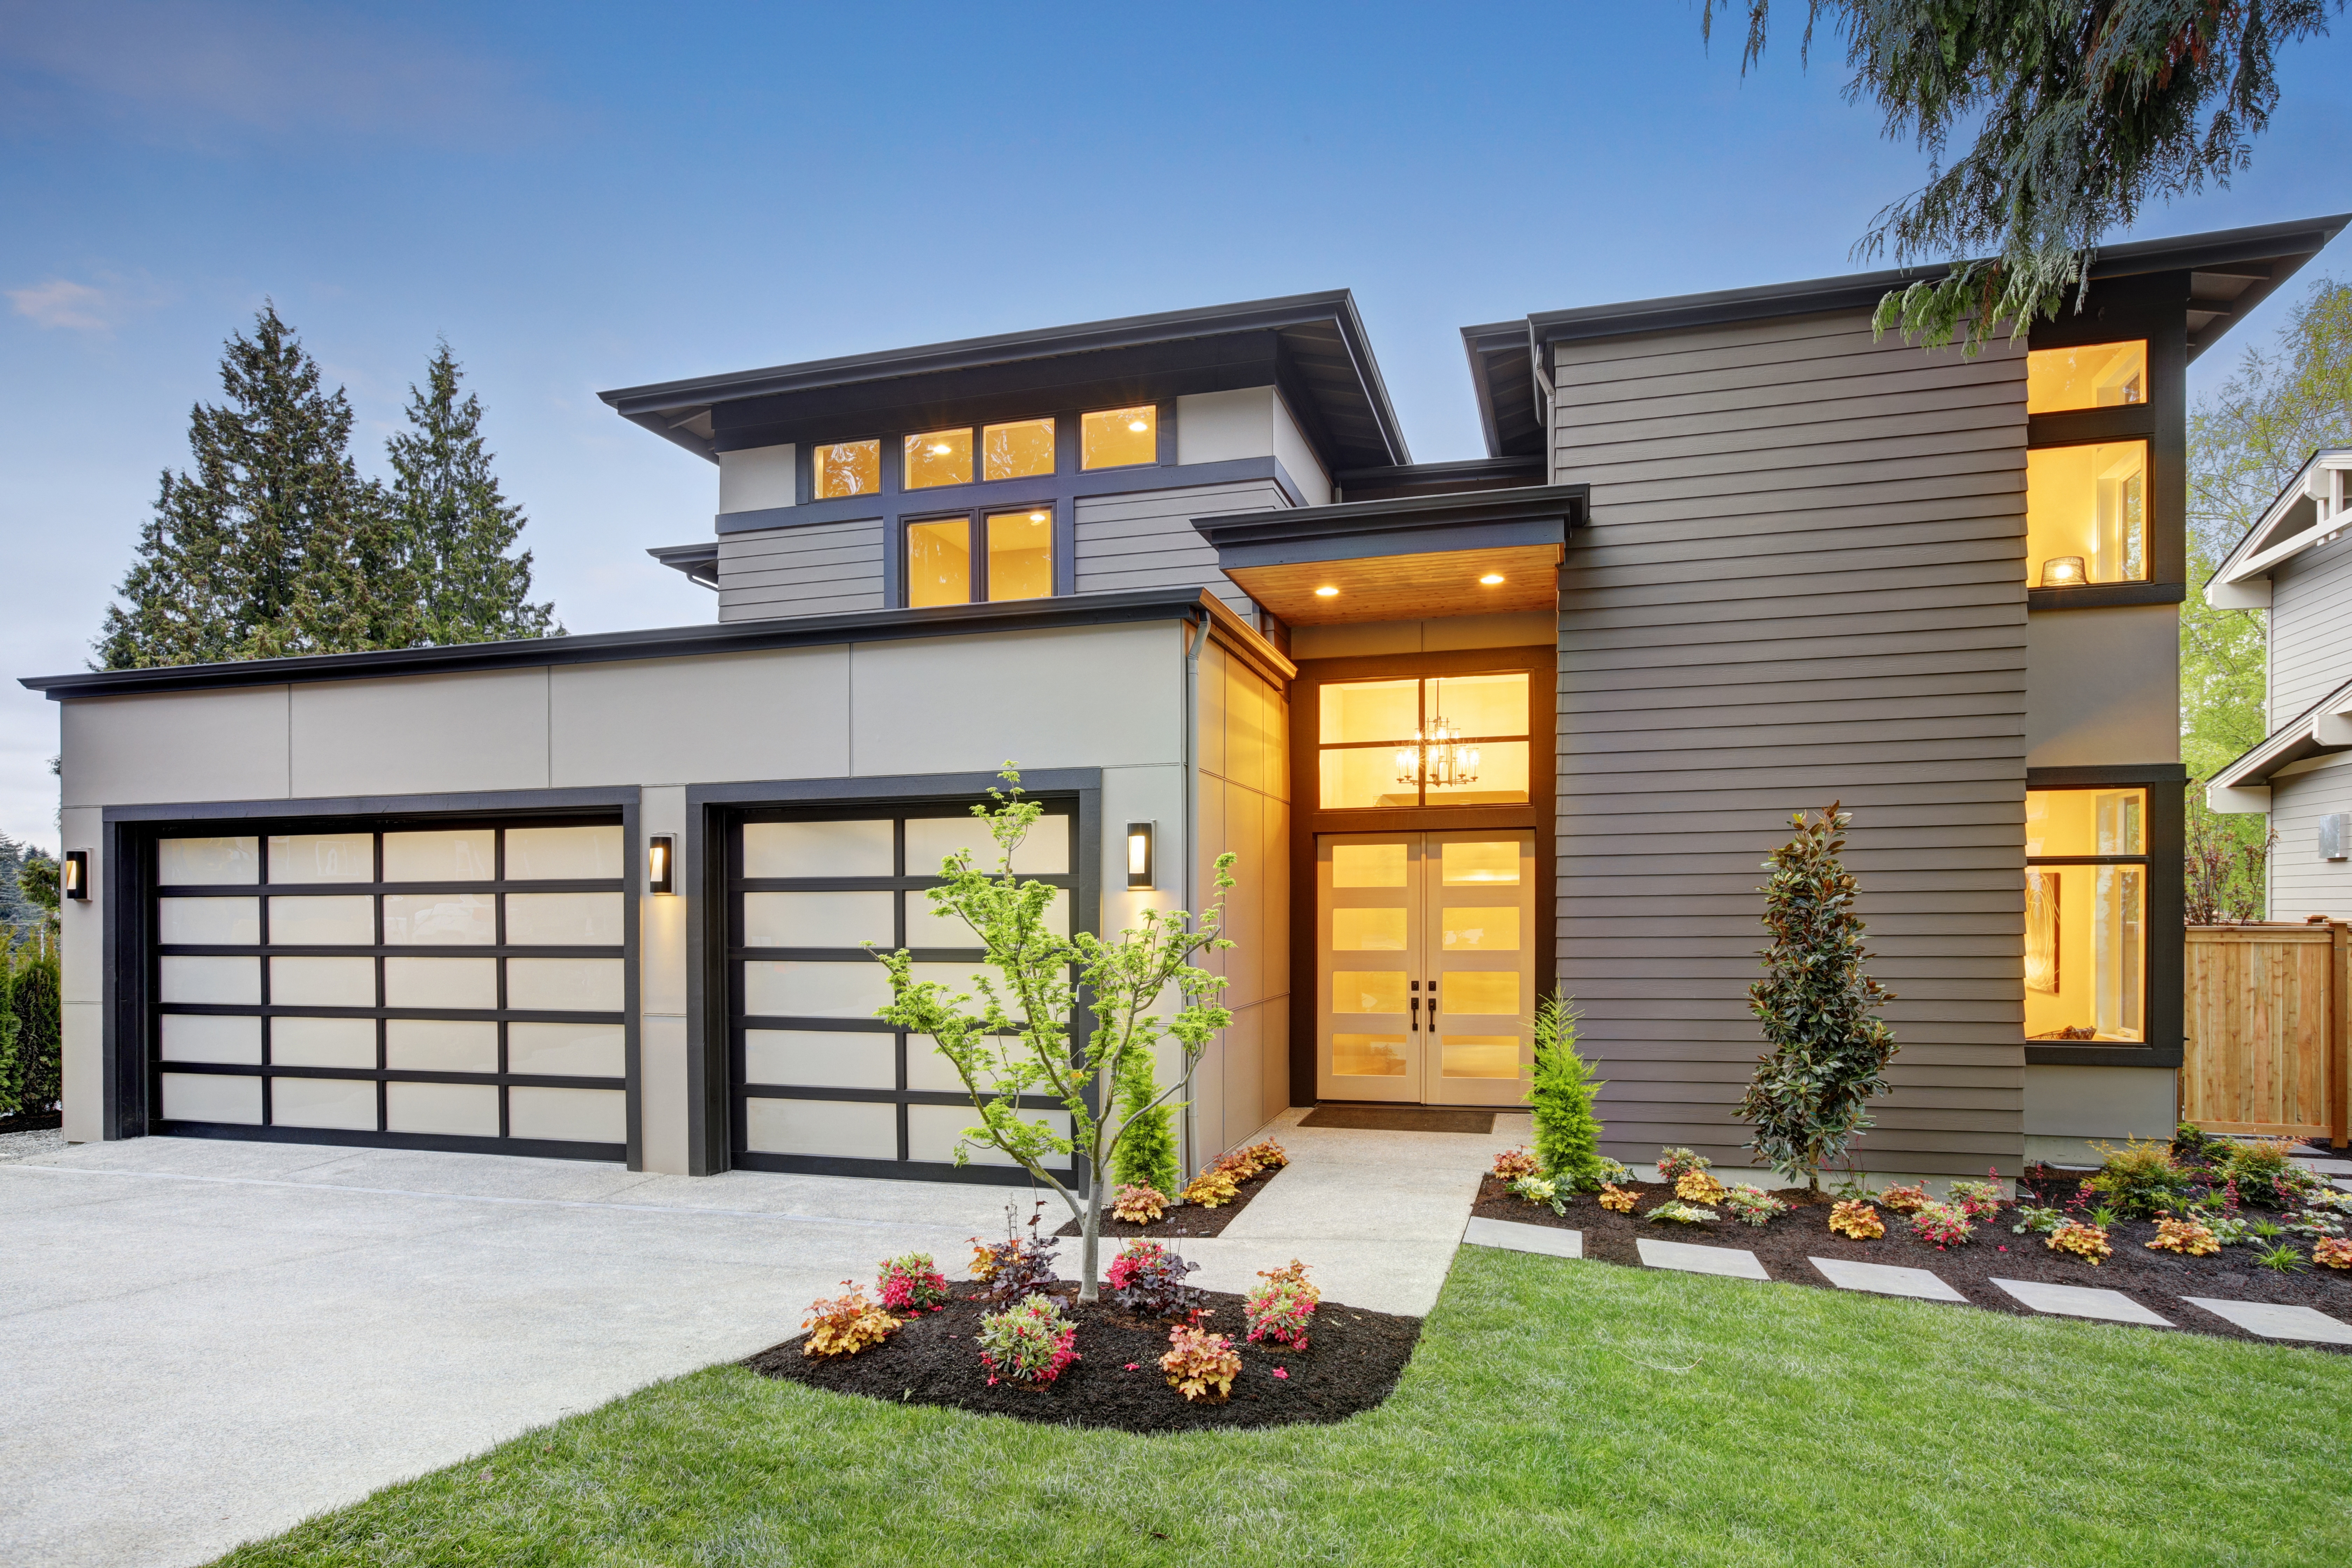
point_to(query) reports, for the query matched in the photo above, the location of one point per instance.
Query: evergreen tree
(275, 545)
(1146, 1150)
(1561, 1090)
(15, 909)
(454, 526)
(1828, 1055)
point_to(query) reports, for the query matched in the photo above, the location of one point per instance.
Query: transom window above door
(1418, 740)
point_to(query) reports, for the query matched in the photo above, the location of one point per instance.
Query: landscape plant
(2284, 1258)
(1560, 1092)
(2142, 1177)
(1538, 1190)
(1617, 1199)
(1675, 1212)
(1281, 1309)
(1828, 1055)
(2087, 1242)
(1029, 1341)
(1673, 1164)
(2037, 1220)
(911, 1283)
(2183, 1236)
(1214, 1186)
(1855, 1218)
(1513, 1163)
(846, 1324)
(1014, 1040)
(1904, 1199)
(1699, 1187)
(2332, 1254)
(1017, 1265)
(1979, 1200)
(1751, 1204)
(1138, 1204)
(1148, 1278)
(1146, 1151)
(1200, 1366)
(1942, 1223)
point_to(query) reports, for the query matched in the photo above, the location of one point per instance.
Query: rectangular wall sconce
(1139, 855)
(2335, 835)
(73, 876)
(661, 863)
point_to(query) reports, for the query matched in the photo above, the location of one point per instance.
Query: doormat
(1400, 1119)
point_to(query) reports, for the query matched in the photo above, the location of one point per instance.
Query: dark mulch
(1400, 1119)
(2154, 1279)
(39, 1121)
(1189, 1220)
(1352, 1360)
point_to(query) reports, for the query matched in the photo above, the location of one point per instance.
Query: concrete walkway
(233, 1337)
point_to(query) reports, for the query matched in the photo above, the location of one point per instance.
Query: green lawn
(1555, 1412)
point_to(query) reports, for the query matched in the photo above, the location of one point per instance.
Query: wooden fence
(2265, 1023)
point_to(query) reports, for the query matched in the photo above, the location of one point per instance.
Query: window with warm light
(1021, 449)
(1455, 739)
(2086, 928)
(846, 469)
(1021, 554)
(2092, 376)
(938, 562)
(994, 555)
(1118, 438)
(2087, 514)
(937, 457)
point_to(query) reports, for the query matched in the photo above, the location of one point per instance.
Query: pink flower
(1133, 1364)
(1281, 1371)
(992, 1382)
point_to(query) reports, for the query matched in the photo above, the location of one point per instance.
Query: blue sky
(582, 197)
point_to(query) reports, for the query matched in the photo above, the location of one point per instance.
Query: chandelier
(1437, 757)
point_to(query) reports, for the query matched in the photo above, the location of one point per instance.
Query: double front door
(1425, 946)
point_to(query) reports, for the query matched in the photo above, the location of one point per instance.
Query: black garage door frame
(710, 810)
(128, 833)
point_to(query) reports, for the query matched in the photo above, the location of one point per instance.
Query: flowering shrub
(1147, 1278)
(846, 1324)
(1904, 1200)
(910, 1281)
(1681, 1213)
(1538, 1190)
(2183, 1236)
(1027, 1343)
(1699, 1187)
(1978, 1200)
(1752, 1204)
(1857, 1219)
(1139, 1204)
(1281, 1308)
(1942, 1223)
(1676, 1164)
(1200, 1366)
(1211, 1187)
(2087, 1242)
(1616, 1199)
(1513, 1163)
(2332, 1254)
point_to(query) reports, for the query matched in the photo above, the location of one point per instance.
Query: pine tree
(1561, 1090)
(1146, 1150)
(1828, 1055)
(454, 526)
(275, 545)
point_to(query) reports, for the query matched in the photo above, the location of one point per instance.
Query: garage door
(459, 985)
(819, 1082)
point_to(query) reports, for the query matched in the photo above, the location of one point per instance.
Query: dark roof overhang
(672, 642)
(1313, 346)
(1503, 375)
(2231, 271)
(698, 562)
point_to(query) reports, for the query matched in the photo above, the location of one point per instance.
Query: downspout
(1196, 636)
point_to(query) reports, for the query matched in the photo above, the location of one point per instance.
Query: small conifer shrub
(1561, 1091)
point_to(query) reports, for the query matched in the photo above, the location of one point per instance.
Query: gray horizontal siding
(2310, 629)
(1147, 540)
(1802, 580)
(2301, 883)
(810, 571)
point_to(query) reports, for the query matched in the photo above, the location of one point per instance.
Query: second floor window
(975, 557)
(2087, 514)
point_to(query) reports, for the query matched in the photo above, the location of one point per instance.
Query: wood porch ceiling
(1407, 587)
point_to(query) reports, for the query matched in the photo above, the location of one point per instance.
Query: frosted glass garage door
(820, 1083)
(417, 984)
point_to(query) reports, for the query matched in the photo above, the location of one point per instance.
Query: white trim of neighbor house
(2325, 727)
(2315, 502)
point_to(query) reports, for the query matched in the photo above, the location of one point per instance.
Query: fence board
(2266, 1044)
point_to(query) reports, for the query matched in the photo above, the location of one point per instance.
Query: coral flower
(1282, 1372)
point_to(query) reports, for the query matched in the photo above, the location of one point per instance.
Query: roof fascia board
(2325, 726)
(2254, 556)
(1563, 504)
(1373, 544)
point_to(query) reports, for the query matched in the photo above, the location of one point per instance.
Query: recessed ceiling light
(1138, 425)
(1036, 517)
(1327, 592)
(1491, 578)
(940, 449)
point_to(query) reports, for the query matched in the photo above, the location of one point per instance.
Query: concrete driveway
(210, 1341)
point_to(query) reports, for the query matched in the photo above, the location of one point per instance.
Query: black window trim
(2162, 1009)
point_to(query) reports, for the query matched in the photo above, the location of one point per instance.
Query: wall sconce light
(2063, 572)
(2335, 835)
(1139, 855)
(73, 876)
(661, 863)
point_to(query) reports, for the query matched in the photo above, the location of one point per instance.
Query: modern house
(2292, 562)
(1472, 728)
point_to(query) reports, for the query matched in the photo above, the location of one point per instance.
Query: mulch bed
(1190, 1220)
(1352, 1360)
(2154, 1279)
(41, 1121)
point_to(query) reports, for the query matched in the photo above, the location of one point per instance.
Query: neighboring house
(1472, 728)
(2296, 563)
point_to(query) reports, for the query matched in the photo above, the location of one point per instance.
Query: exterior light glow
(1327, 592)
(73, 876)
(1139, 855)
(661, 863)
(1437, 756)
(1491, 578)
(2062, 572)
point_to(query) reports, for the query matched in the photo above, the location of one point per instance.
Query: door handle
(1416, 1015)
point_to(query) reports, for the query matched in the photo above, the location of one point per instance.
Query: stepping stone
(2324, 1167)
(1511, 1235)
(1886, 1278)
(1734, 1261)
(2081, 1301)
(2274, 1322)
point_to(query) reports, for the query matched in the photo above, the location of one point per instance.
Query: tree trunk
(1090, 1240)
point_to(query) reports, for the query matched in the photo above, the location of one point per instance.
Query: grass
(1555, 1412)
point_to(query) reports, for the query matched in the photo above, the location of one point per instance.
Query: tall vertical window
(981, 556)
(2087, 883)
(2090, 376)
(1455, 740)
(2087, 514)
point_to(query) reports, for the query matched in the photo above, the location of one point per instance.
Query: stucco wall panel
(193, 745)
(420, 734)
(1087, 697)
(776, 715)
(2103, 686)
